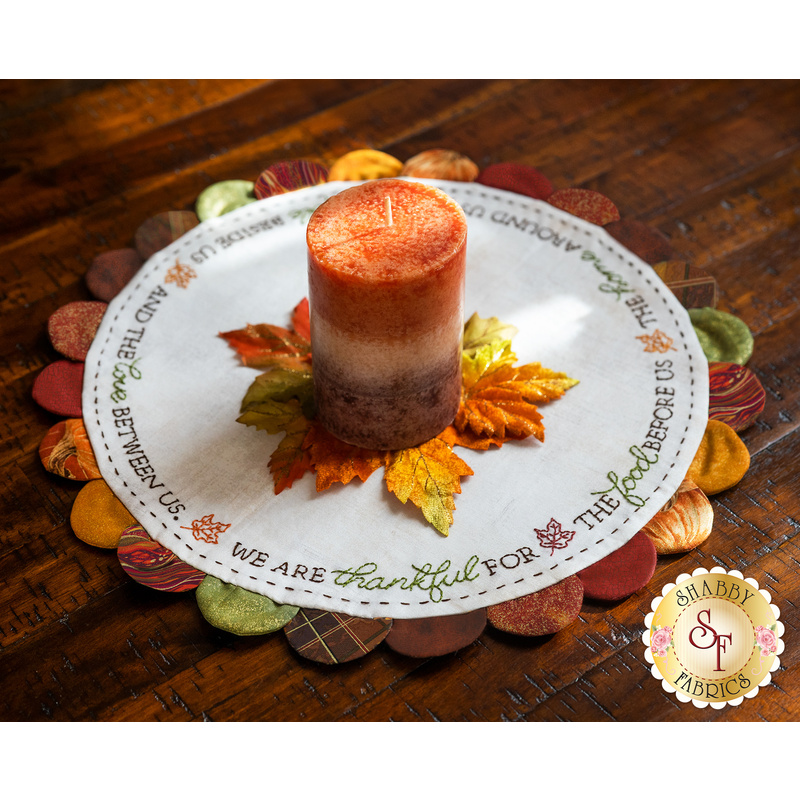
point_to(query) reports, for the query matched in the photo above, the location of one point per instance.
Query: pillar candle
(386, 262)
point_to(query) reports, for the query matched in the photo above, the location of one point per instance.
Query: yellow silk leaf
(482, 363)
(541, 384)
(335, 461)
(429, 476)
(479, 332)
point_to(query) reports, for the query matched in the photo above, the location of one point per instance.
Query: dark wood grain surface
(714, 165)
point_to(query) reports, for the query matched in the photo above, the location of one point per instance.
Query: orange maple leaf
(263, 346)
(467, 438)
(290, 460)
(301, 320)
(498, 398)
(429, 476)
(335, 461)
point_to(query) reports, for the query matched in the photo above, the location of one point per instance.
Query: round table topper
(162, 394)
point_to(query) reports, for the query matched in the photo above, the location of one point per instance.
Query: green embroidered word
(426, 578)
(615, 283)
(626, 486)
(120, 375)
(302, 214)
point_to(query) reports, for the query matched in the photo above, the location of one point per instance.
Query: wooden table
(714, 165)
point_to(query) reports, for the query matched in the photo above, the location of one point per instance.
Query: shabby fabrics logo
(713, 638)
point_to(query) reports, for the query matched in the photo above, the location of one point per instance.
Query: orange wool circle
(446, 165)
(685, 521)
(67, 451)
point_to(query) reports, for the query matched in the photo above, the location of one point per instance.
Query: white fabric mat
(162, 393)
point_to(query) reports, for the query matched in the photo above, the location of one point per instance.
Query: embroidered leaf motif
(206, 530)
(181, 275)
(479, 331)
(336, 461)
(498, 398)
(291, 459)
(656, 342)
(429, 476)
(263, 346)
(553, 536)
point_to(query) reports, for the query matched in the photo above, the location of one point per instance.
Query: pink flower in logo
(766, 640)
(661, 640)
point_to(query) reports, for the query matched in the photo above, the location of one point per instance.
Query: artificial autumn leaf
(467, 438)
(335, 461)
(301, 320)
(272, 416)
(281, 385)
(484, 361)
(263, 346)
(498, 404)
(291, 459)
(479, 332)
(498, 398)
(429, 476)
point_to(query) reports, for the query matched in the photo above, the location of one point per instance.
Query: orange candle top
(379, 269)
(354, 235)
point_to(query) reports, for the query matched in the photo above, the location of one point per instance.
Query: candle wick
(387, 209)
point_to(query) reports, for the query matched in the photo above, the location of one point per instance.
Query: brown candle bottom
(388, 418)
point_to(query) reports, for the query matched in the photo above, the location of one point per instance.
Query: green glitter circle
(222, 197)
(722, 336)
(238, 611)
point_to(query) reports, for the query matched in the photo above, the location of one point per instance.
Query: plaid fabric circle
(693, 286)
(332, 638)
(162, 230)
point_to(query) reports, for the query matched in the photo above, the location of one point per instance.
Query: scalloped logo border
(713, 638)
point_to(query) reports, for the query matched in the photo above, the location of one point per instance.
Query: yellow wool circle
(721, 460)
(98, 517)
(364, 165)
